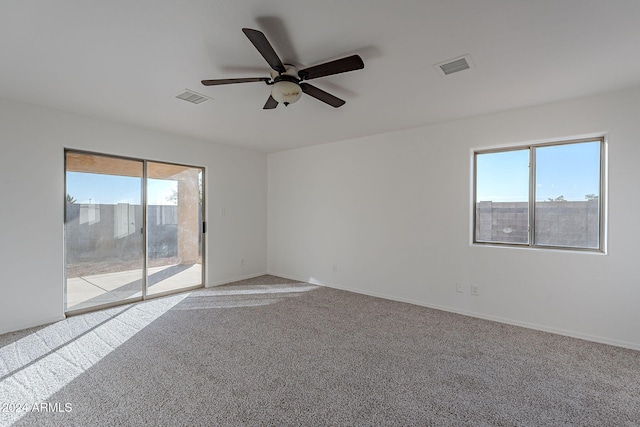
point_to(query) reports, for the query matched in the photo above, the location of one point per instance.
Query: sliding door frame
(144, 296)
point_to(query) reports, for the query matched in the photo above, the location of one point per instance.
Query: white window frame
(602, 214)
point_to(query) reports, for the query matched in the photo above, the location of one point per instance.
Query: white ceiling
(126, 61)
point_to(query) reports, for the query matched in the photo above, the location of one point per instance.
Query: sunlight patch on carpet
(245, 296)
(35, 367)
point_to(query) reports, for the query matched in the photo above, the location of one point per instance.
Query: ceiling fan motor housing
(285, 88)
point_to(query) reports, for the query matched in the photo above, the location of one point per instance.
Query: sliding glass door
(174, 218)
(133, 229)
(104, 241)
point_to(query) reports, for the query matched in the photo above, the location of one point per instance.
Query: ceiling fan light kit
(286, 88)
(286, 80)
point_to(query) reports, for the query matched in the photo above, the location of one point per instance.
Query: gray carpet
(269, 351)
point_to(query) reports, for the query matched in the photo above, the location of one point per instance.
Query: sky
(112, 189)
(568, 170)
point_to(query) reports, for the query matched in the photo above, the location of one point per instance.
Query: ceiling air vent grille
(454, 65)
(191, 96)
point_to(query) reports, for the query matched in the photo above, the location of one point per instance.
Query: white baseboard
(236, 279)
(534, 326)
(32, 324)
(558, 331)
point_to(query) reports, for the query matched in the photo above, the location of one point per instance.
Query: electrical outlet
(459, 287)
(242, 262)
(475, 290)
(335, 268)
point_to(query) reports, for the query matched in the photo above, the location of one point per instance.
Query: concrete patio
(91, 290)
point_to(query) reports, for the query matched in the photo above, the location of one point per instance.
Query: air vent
(454, 65)
(191, 96)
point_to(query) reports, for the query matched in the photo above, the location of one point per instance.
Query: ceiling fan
(286, 80)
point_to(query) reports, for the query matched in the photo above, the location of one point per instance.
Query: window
(544, 195)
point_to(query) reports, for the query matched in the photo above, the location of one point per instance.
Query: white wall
(32, 142)
(393, 213)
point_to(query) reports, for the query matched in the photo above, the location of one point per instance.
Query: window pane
(174, 218)
(502, 197)
(567, 195)
(103, 240)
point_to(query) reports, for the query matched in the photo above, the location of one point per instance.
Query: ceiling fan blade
(261, 43)
(322, 95)
(350, 63)
(270, 104)
(231, 81)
